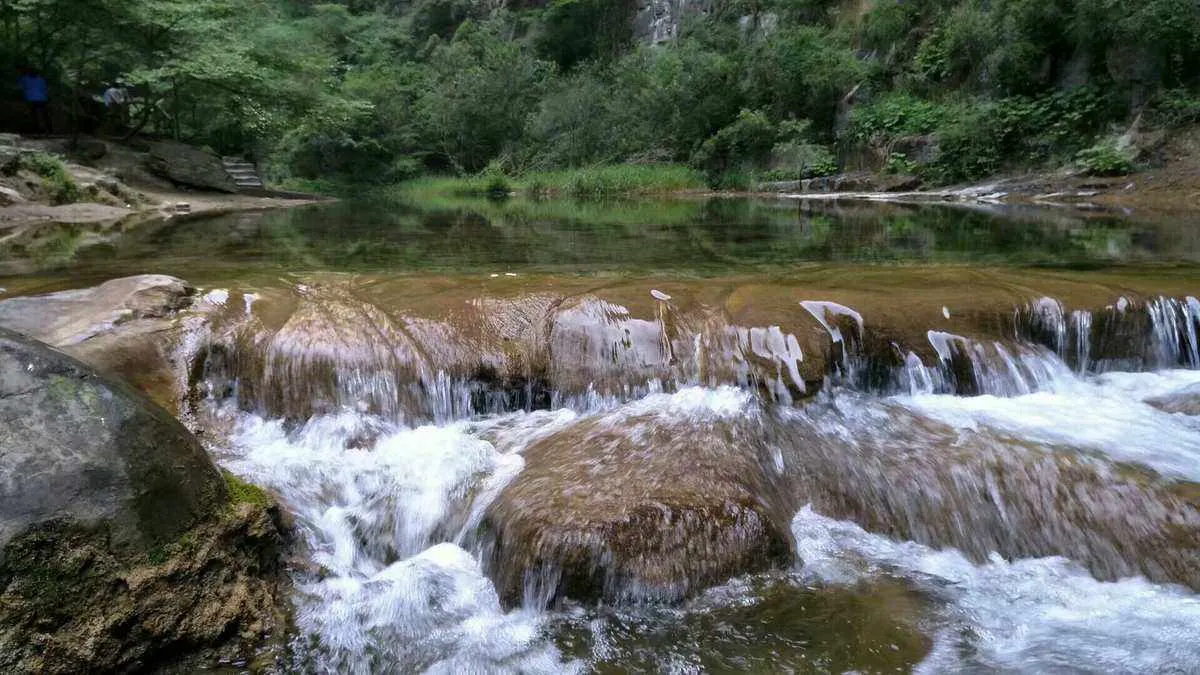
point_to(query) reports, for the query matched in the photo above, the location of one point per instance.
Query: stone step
(248, 182)
(241, 172)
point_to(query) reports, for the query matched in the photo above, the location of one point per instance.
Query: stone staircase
(243, 173)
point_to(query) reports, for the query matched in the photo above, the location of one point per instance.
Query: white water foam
(377, 504)
(387, 511)
(1106, 414)
(1038, 615)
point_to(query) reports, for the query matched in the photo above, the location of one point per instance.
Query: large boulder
(124, 328)
(121, 547)
(187, 165)
(653, 502)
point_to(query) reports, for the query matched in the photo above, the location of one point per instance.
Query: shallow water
(682, 236)
(954, 417)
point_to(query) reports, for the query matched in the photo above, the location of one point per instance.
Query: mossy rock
(122, 547)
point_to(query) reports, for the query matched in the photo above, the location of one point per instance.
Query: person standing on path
(36, 92)
(116, 102)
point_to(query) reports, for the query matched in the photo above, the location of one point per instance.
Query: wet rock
(71, 317)
(125, 328)
(898, 473)
(1183, 402)
(120, 548)
(186, 165)
(899, 183)
(635, 507)
(9, 196)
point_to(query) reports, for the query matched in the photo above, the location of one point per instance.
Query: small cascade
(305, 354)
(1173, 326)
(1081, 343)
(1129, 335)
(833, 318)
(975, 368)
(469, 481)
(1047, 324)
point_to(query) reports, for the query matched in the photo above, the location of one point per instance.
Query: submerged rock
(635, 506)
(120, 546)
(1183, 402)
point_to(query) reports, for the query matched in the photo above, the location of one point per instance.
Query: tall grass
(583, 183)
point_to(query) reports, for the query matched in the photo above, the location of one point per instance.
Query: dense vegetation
(386, 90)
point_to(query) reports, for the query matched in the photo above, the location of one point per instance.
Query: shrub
(898, 163)
(1176, 108)
(1104, 159)
(57, 181)
(747, 141)
(802, 159)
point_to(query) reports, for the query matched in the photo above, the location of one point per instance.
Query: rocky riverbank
(104, 189)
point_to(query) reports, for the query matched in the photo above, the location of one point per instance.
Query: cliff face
(659, 20)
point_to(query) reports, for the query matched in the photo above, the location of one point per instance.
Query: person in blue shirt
(36, 92)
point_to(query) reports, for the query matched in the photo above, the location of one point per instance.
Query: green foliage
(583, 183)
(898, 163)
(479, 90)
(1176, 108)
(978, 137)
(801, 72)
(367, 91)
(747, 141)
(800, 159)
(574, 31)
(57, 181)
(896, 115)
(1104, 159)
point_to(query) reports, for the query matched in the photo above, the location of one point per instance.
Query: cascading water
(457, 521)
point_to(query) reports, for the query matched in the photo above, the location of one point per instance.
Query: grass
(614, 180)
(56, 180)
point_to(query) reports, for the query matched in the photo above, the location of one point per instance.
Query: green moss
(241, 492)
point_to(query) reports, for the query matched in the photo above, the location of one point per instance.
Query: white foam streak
(1107, 414)
(1040, 615)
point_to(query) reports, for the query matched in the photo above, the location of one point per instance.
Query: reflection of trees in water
(683, 233)
(637, 235)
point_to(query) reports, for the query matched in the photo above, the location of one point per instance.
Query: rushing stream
(720, 443)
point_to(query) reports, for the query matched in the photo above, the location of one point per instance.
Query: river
(703, 435)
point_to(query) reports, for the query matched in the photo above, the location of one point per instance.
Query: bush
(58, 182)
(744, 143)
(898, 163)
(1104, 159)
(1176, 108)
(801, 159)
